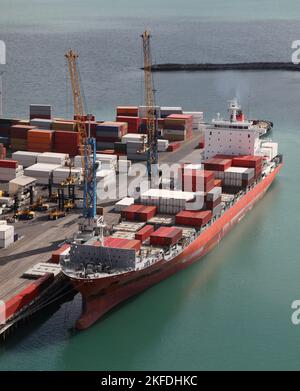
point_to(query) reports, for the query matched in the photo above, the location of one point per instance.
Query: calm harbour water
(232, 309)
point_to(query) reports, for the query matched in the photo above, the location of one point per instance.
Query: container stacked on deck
(193, 218)
(10, 169)
(6, 235)
(109, 133)
(269, 150)
(122, 243)
(144, 233)
(236, 176)
(213, 200)
(167, 201)
(40, 111)
(217, 164)
(25, 158)
(196, 179)
(166, 236)
(139, 212)
(130, 115)
(123, 204)
(249, 161)
(40, 140)
(60, 254)
(18, 137)
(66, 142)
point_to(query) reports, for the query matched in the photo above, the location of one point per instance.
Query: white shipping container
(53, 158)
(124, 203)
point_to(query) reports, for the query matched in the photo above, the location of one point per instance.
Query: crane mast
(151, 113)
(87, 145)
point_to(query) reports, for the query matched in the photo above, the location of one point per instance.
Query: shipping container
(166, 236)
(193, 218)
(144, 233)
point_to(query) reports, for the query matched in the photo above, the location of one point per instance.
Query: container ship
(167, 229)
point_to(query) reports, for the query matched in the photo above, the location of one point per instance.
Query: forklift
(22, 214)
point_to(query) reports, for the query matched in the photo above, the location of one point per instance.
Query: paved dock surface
(40, 238)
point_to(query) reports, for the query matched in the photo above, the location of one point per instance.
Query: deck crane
(151, 112)
(87, 144)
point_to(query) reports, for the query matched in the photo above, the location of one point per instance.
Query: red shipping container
(66, 142)
(20, 131)
(8, 163)
(194, 219)
(139, 212)
(128, 244)
(166, 236)
(217, 164)
(128, 111)
(213, 204)
(249, 161)
(144, 233)
(134, 123)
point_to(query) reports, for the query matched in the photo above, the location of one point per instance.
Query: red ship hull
(101, 295)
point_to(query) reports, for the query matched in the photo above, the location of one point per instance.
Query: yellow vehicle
(54, 197)
(68, 205)
(24, 215)
(56, 214)
(39, 205)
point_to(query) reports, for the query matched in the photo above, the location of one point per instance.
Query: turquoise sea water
(232, 309)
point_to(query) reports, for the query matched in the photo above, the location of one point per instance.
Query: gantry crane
(87, 144)
(151, 112)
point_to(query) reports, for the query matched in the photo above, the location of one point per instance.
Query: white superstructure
(236, 136)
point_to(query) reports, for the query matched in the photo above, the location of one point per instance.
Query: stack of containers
(217, 164)
(40, 140)
(144, 233)
(133, 123)
(197, 179)
(128, 244)
(249, 161)
(213, 200)
(41, 123)
(53, 158)
(25, 158)
(107, 161)
(236, 176)
(18, 137)
(66, 142)
(124, 165)
(108, 133)
(167, 201)
(139, 212)
(5, 127)
(166, 236)
(166, 111)
(62, 173)
(130, 115)
(136, 151)
(198, 118)
(40, 111)
(10, 169)
(41, 171)
(6, 235)
(193, 218)
(178, 127)
(269, 150)
(62, 124)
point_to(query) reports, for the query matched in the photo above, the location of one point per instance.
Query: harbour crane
(87, 144)
(151, 111)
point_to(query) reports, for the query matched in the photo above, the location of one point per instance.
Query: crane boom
(87, 145)
(151, 113)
